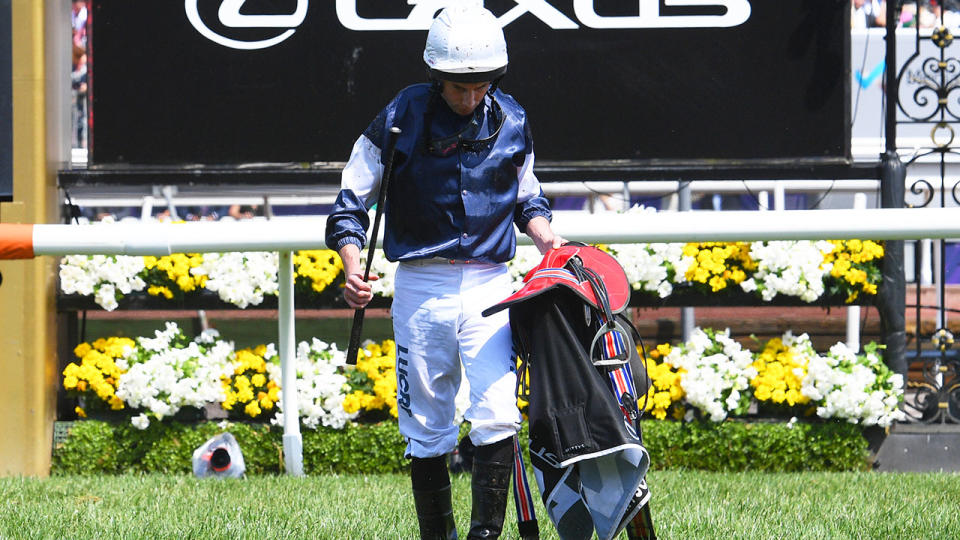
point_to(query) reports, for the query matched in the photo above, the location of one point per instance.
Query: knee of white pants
(484, 434)
(440, 444)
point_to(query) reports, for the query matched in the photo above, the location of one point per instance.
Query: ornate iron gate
(926, 83)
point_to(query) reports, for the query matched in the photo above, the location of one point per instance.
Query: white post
(853, 312)
(146, 210)
(292, 441)
(763, 200)
(938, 278)
(779, 197)
(909, 262)
(926, 255)
(687, 315)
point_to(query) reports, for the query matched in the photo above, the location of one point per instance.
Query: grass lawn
(685, 504)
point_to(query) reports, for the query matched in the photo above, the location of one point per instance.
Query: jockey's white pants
(438, 327)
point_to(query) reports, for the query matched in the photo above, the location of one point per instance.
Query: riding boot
(435, 514)
(492, 467)
(431, 497)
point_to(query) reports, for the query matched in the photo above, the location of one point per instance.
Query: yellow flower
(252, 409)
(82, 349)
(158, 290)
(117, 346)
(70, 382)
(522, 403)
(661, 400)
(351, 403)
(116, 403)
(186, 283)
(80, 412)
(265, 402)
(319, 267)
(258, 379)
(245, 394)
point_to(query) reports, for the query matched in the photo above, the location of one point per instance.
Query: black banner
(6, 103)
(232, 81)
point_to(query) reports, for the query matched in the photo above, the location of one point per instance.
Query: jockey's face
(463, 98)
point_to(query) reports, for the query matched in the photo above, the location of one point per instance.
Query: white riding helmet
(465, 44)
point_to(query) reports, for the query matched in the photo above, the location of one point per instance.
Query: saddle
(600, 282)
(575, 351)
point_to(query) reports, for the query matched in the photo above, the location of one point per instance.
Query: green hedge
(762, 446)
(97, 447)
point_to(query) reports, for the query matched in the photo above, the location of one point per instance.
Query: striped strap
(526, 517)
(612, 342)
(555, 273)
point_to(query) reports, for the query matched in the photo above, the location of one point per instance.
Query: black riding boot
(492, 466)
(431, 496)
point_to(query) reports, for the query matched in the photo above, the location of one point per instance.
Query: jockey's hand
(357, 292)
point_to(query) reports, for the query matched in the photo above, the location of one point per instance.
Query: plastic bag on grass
(219, 457)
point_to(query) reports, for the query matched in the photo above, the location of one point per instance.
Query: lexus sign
(281, 81)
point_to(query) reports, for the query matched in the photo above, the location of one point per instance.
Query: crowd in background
(80, 23)
(925, 13)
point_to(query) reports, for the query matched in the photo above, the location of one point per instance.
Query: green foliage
(95, 447)
(89, 449)
(764, 446)
(359, 448)
(173, 451)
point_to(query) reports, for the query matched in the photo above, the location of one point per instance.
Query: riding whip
(357, 327)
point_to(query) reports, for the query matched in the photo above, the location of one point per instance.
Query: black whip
(354, 346)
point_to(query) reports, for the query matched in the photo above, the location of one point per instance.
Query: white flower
(140, 421)
(321, 388)
(856, 388)
(240, 278)
(107, 277)
(165, 375)
(718, 372)
(792, 268)
(652, 267)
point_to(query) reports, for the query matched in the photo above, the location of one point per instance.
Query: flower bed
(804, 271)
(712, 376)
(709, 377)
(824, 403)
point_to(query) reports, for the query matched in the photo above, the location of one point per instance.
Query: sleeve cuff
(527, 216)
(349, 240)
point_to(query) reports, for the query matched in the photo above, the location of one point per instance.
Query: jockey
(462, 180)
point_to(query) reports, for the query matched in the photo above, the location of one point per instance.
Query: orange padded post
(16, 241)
